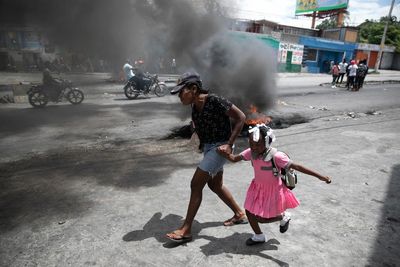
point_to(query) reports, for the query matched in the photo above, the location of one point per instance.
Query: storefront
(290, 57)
(370, 53)
(318, 53)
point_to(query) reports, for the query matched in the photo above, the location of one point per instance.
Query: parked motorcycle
(40, 95)
(151, 84)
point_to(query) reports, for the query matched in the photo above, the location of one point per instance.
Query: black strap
(274, 168)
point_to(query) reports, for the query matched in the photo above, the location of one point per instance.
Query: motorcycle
(40, 95)
(150, 84)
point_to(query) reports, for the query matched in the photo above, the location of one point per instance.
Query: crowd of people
(355, 74)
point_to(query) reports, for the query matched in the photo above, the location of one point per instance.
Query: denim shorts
(212, 161)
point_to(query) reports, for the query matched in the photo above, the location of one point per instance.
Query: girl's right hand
(327, 179)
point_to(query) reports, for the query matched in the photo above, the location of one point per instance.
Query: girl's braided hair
(264, 132)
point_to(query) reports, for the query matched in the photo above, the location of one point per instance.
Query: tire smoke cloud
(194, 32)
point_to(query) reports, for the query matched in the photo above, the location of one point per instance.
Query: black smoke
(192, 31)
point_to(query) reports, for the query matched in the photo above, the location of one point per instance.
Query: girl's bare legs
(197, 184)
(216, 185)
(254, 220)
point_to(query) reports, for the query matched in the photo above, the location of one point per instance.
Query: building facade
(370, 53)
(319, 52)
(317, 48)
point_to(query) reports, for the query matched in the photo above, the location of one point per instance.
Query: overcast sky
(282, 11)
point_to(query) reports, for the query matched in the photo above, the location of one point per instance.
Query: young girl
(267, 197)
(335, 74)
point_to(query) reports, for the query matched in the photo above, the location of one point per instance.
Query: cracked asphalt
(99, 184)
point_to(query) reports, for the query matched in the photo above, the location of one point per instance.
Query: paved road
(97, 184)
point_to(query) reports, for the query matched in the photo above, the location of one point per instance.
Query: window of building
(309, 54)
(12, 40)
(30, 37)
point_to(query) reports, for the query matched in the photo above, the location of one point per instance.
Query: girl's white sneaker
(255, 239)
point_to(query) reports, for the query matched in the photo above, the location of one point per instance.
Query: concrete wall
(351, 36)
(396, 62)
(342, 34)
(334, 35)
(289, 38)
(387, 61)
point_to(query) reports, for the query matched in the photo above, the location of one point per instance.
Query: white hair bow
(256, 132)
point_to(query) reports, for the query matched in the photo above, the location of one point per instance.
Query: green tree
(371, 31)
(329, 23)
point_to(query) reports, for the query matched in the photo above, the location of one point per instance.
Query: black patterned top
(212, 124)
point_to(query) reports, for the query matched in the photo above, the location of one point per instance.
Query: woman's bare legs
(216, 185)
(197, 184)
(199, 180)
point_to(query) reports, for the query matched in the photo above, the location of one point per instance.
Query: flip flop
(179, 238)
(234, 220)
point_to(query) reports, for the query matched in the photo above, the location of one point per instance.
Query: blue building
(318, 53)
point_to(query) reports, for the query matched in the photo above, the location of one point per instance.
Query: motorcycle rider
(143, 78)
(136, 74)
(128, 70)
(51, 85)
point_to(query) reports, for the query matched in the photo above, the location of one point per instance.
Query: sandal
(179, 238)
(236, 220)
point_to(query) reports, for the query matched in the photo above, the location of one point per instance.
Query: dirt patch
(51, 187)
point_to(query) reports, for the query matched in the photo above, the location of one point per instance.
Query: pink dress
(267, 196)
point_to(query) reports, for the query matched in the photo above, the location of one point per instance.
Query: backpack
(362, 71)
(289, 178)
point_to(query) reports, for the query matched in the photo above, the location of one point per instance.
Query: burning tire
(38, 99)
(130, 90)
(160, 90)
(75, 96)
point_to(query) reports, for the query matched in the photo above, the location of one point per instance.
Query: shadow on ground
(387, 246)
(157, 227)
(235, 244)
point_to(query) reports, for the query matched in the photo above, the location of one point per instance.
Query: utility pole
(314, 15)
(340, 18)
(378, 60)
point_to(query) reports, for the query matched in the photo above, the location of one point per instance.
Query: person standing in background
(335, 74)
(352, 75)
(361, 73)
(342, 71)
(173, 66)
